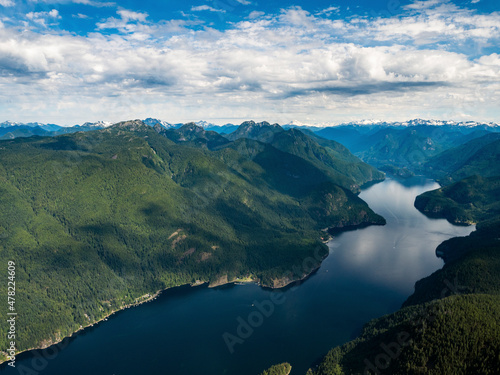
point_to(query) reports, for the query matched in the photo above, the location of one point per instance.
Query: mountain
(329, 156)
(467, 201)
(262, 131)
(302, 126)
(478, 156)
(153, 121)
(396, 147)
(46, 127)
(205, 124)
(96, 125)
(103, 219)
(16, 131)
(222, 129)
(334, 158)
(194, 135)
(333, 161)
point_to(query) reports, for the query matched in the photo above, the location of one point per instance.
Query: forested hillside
(98, 220)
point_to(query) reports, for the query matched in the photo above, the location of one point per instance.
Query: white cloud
(206, 7)
(437, 22)
(97, 4)
(42, 18)
(244, 2)
(54, 13)
(424, 4)
(132, 23)
(293, 64)
(7, 3)
(329, 11)
(128, 15)
(81, 16)
(256, 14)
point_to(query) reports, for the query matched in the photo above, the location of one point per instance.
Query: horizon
(227, 61)
(365, 122)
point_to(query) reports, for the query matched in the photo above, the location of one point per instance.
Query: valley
(147, 206)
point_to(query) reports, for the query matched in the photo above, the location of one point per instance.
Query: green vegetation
(455, 335)
(330, 157)
(480, 156)
(465, 202)
(472, 266)
(21, 131)
(446, 152)
(396, 171)
(193, 135)
(281, 369)
(408, 147)
(98, 220)
(262, 131)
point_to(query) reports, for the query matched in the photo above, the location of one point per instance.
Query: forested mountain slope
(98, 220)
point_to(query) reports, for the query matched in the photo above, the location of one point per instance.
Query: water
(369, 273)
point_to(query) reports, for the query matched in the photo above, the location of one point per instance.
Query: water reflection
(401, 252)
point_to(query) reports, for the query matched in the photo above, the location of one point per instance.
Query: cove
(369, 273)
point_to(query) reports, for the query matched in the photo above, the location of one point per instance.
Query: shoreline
(197, 283)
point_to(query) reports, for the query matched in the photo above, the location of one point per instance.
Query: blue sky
(316, 62)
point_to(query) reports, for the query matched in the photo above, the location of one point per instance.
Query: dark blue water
(243, 329)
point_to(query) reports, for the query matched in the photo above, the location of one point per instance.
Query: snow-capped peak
(205, 124)
(98, 124)
(153, 121)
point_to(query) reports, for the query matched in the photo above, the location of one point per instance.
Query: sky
(226, 61)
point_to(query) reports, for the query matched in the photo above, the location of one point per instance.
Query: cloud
(42, 18)
(81, 16)
(244, 2)
(287, 64)
(435, 22)
(206, 7)
(128, 15)
(130, 22)
(7, 3)
(329, 11)
(424, 4)
(96, 3)
(362, 89)
(256, 14)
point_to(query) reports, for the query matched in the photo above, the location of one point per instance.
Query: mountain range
(99, 219)
(101, 216)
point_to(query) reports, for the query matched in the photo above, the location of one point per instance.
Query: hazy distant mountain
(418, 121)
(404, 145)
(17, 131)
(46, 127)
(97, 124)
(479, 156)
(301, 125)
(222, 129)
(153, 121)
